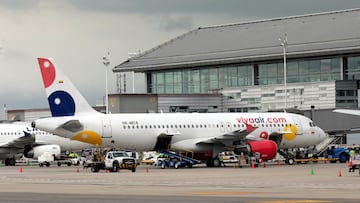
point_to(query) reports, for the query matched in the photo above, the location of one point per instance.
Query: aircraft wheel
(216, 162)
(290, 161)
(133, 170)
(12, 162)
(59, 163)
(47, 164)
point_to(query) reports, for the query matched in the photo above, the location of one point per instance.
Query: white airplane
(204, 134)
(19, 139)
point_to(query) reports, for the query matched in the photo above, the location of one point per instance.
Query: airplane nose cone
(322, 134)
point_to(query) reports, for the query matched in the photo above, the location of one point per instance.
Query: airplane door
(298, 124)
(107, 129)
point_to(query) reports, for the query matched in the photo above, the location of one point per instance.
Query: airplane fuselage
(187, 130)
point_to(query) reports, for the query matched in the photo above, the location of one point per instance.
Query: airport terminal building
(244, 63)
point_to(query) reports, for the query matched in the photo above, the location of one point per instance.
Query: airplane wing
(348, 111)
(21, 142)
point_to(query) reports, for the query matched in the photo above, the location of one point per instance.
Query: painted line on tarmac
(296, 201)
(222, 193)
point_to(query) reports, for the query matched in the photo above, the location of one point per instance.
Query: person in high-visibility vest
(72, 155)
(351, 153)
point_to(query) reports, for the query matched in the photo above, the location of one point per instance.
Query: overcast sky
(78, 33)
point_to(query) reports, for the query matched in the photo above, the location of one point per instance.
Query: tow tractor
(170, 159)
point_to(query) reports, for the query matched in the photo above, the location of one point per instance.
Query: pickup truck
(113, 161)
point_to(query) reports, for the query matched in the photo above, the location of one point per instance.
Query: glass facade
(206, 79)
(353, 68)
(200, 80)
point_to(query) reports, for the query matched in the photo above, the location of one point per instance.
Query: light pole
(283, 43)
(106, 62)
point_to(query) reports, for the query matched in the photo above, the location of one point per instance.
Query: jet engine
(266, 148)
(37, 151)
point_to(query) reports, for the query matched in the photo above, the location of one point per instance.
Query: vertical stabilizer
(63, 97)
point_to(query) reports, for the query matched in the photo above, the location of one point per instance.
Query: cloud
(19, 4)
(77, 34)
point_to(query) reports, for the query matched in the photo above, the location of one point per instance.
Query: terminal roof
(320, 34)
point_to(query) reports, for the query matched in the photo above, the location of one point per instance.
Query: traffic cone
(20, 169)
(147, 170)
(340, 173)
(77, 170)
(252, 164)
(278, 162)
(312, 171)
(264, 164)
(350, 162)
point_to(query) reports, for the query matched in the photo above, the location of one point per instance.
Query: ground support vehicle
(340, 154)
(71, 161)
(173, 160)
(45, 159)
(228, 157)
(112, 161)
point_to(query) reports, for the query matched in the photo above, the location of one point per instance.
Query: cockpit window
(311, 124)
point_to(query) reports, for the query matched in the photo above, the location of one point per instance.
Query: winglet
(63, 97)
(249, 128)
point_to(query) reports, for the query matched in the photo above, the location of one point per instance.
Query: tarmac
(311, 182)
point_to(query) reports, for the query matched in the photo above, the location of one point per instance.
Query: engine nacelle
(37, 151)
(266, 148)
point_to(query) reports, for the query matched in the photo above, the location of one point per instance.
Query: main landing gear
(213, 162)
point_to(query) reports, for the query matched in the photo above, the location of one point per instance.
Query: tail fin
(63, 97)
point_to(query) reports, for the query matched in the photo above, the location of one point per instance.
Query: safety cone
(340, 173)
(252, 164)
(350, 162)
(147, 170)
(20, 169)
(264, 165)
(312, 171)
(77, 170)
(278, 162)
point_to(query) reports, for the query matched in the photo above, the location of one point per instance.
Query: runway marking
(215, 193)
(296, 201)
